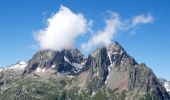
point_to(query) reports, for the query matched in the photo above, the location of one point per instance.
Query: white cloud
(113, 25)
(65, 26)
(62, 30)
(104, 37)
(142, 19)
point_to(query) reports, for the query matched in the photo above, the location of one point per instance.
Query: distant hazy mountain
(108, 73)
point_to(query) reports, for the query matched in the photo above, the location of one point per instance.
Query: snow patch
(77, 67)
(22, 62)
(109, 55)
(109, 67)
(93, 94)
(40, 70)
(108, 75)
(16, 67)
(53, 66)
(71, 76)
(83, 63)
(167, 86)
(43, 70)
(66, 59)
(19, 66)
(92, 55)
(75, 70)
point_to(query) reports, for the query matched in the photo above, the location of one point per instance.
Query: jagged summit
(118, 54)
(116, 46)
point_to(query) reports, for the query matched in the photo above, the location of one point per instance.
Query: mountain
(165, 83)
(10, 75)
(16, 67)
(108, 73)
(66, 61)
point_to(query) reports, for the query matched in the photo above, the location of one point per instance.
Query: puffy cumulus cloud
(104, 37)
(62, 30)
(113, 26)
(142, 19)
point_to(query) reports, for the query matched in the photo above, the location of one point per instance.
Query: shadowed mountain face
(108, 73)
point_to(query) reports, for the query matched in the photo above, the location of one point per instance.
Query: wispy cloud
(113, 25)
(104, 37)
(62, 30)
(142, 19)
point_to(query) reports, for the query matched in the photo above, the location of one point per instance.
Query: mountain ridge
(108, 73)
(20, 65)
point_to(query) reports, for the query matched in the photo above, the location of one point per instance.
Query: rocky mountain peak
(116, 48)
(118, 55)
(65, 61)
(116, 69)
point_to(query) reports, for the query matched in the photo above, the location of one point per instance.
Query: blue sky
(150, 43)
